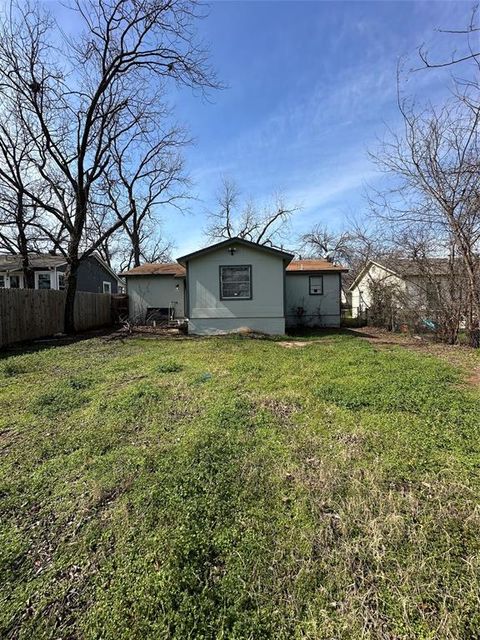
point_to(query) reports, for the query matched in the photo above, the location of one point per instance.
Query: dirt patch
(148, 331)
(292, 344)
(298, 344)
(281, 410)
(379, 336)
(474, 378)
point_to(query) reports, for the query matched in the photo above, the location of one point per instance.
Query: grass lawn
(235, 488)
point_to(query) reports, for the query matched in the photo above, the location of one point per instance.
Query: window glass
(316, 285)
(14, 282)
(44, 281)
(61, 281)
(107, 287)
(236, 282)
(2, 282)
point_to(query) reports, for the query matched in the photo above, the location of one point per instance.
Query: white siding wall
(208, 314)
(154, 291)
(320, 310)
(361, 298)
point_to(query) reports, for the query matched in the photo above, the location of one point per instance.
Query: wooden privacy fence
(26, 314)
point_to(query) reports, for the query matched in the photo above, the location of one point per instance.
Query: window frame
(37, 280)
(109, 287)
(61, 274)
(310, 285)
(20, 280)
(233, 266)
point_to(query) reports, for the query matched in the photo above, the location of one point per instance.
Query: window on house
(2, 282)
(316, 285)
(44, 281)
(61, 281)
(107, 287)
(14, 282)
(236, 282)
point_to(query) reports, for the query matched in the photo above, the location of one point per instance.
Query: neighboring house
(235, 284)
(405, 275)
(94, 274)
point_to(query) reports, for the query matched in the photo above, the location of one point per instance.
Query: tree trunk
(72, 255)
(28, 274)
(71, 291)
(136, 248)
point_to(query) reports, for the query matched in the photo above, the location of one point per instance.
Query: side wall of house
(92, 275)
(361, 297)
(209, 314)
(304, 309)
(154, 292)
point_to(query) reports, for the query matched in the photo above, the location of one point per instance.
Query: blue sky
(310, 88)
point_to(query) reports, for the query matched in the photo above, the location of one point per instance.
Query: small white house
(413, 284)
(238, 284)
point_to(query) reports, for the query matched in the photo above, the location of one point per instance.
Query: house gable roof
(365, 270)
(102, 262)
(13, 262)
(232, 241)
(404, 268)
(156, 269)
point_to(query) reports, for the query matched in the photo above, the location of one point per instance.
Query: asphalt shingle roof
(157, 269)
(10, 262)
(314, 265)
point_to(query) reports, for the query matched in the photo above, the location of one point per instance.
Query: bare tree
(17, 214)
(154, 246)
(464, 61)
(441, 283)
(142, 184)
(435, 165)
(353, 246)
(471, 48)
(111, 246)
(25, 227)
(325, 243)
(233, 218)
(80, 96)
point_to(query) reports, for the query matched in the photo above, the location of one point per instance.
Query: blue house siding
(91, 276)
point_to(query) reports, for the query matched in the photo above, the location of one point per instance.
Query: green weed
(169, 367)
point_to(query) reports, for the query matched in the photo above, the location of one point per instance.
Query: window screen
(236, 282)
(316, 285)
(14, 282)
